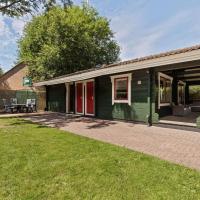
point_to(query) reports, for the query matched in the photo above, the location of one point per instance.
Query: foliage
(62, 41)
(1, 71)
(37, 162)
(18, 8)
(49, 4)
(194, 92)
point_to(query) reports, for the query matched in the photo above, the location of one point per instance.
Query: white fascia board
(151, 63)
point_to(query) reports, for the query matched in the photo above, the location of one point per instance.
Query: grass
(37, 162)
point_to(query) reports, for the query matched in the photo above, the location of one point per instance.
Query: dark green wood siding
(72, 99)
(139, 109)
(56, 98)
(103, 96)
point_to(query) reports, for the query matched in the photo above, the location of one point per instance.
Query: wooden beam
(179, 66)
(183, 72)
(197, 82)
(188, 75)
(191, 79)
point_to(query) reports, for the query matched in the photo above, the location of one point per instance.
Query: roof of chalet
(169, 57)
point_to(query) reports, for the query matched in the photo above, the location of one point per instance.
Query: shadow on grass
(22, 122)
(58, 120)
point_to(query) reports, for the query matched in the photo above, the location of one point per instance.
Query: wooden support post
(67, 97)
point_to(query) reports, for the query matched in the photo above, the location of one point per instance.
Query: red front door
(79, 97)
(90, 98)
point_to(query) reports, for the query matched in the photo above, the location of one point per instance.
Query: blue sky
(141, 27)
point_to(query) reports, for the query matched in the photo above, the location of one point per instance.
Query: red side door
(79, 98)
(90, 98)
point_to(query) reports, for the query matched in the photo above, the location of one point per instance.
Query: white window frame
(169, 78)
(184, 84)
(129, 76)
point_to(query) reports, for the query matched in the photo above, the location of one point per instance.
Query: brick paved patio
(178, 146)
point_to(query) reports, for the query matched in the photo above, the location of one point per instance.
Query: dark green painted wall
(139, 109)
(72, 99)
(103, 97)
(56, 98)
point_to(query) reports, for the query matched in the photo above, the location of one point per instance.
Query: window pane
(121, 86)
(162, 88)
(165, 90)
(168, 91)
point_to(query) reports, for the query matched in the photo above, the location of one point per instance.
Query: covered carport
(176, 101)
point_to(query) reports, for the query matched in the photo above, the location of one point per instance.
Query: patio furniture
(30, 105)
(181, 110)
(33, 102)
(13, 101)
(19, 107)
(7, 107)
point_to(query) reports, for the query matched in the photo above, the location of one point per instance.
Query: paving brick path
(178, 146)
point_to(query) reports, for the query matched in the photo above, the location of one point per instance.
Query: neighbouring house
(150, 89)
(15, 83)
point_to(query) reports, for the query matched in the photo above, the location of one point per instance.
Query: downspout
(150, 97)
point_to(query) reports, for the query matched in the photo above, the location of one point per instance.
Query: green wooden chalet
(148, 89)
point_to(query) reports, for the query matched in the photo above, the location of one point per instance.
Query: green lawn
(37, 162)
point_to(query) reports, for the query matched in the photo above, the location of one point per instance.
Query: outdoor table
(19, 107)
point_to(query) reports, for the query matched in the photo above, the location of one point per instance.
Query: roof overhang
(144, 64)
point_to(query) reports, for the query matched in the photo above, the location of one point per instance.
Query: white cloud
(2, 27)
(146, 43)
(18, 26)
(138, 38)
(4, 30)
(10, 31)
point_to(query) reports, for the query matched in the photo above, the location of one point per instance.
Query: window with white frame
(121, 88)
(165, 89)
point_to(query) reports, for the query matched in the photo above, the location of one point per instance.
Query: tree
(1, 71)
(16, 8)
(49, 4)
(67, 3)
(63, 41)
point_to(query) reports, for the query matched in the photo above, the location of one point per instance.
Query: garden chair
(7, 107)
(30, 105)
(14, 104)
(13, 101)
(33, 103)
